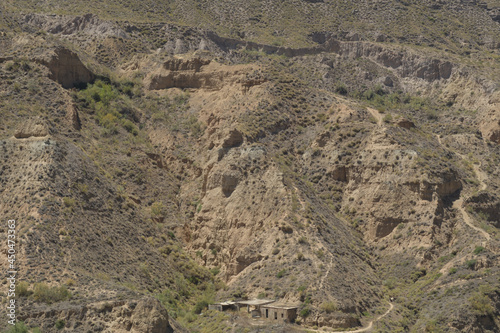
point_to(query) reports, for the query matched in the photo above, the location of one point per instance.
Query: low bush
(471, 264)
(200, 306)
(19, 327)
(481, 304)
(43, 293)
(22, 289)
(478, 250)
(328, 307)
(305, 312)
(60, 324)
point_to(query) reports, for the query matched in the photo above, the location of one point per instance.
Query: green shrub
(106, 92)
(69, 202)
(369, 95)
(478, 250)
(329, 307)
(470, 264)
(281, 273)
(431, 113)
(301, 288)
(189, 317)
(130, 127)
(11, 65)
(157, 210)
(305, 312)
(387, 118)
(70, 282)
(43, 293)
(194, 126)
(109, 122)
(60, 324)
(83, 188)
(452, 270)
(341, 89)
(417, 274)
(303, 240)
(432, 326)
(128, 88)
(200, 306)
(22, 289)
(19, 327)
(481, 304)
(379, 90)
(110, 105)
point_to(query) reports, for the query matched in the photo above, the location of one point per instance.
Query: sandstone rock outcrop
(66, 68)
(69, 25)
(486, 203)
(233, 139)
(145, 315)
(196, 73)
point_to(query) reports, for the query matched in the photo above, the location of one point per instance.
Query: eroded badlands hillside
(158, 165)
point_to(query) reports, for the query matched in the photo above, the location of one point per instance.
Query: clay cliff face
(66, 68)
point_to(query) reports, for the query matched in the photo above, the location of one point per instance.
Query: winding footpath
(330, 265)
(376, 115)
(458, 204)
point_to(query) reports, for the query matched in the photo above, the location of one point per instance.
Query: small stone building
(255, 303)
(279, 312)
(223, 306)
(262, 308)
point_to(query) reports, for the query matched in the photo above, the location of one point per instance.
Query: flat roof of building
(281, 306)
(268, 303)
(256, 302)
(225, 303)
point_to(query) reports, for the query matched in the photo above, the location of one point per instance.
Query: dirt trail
(376, 115)
(326, 274)
(299, 198)
(458, 204)
(481, 176)
(367, 328)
